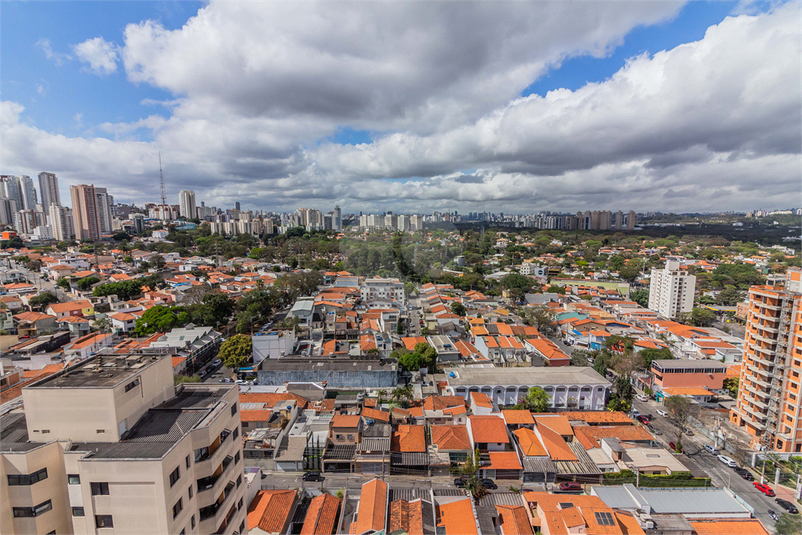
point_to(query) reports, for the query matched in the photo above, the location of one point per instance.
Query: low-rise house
(321, 515)
(34, 324)
(488, 433)
(452, 440)
(270, 512)
(482, 404)
(88, 345)
(122, 322)
(456, 515)
(371, 514)
(81, 307)
(558, 514)
(408, 450)
(548, 351)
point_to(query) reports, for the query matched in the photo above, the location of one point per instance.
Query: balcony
(222, 529)
(212, 454)
(206, 483)
(212, 513)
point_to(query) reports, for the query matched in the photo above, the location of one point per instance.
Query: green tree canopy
(86, 282)
(458, 308)
(43, 299)
(161, 318)
(640, 296)
(236, 351)
(125, 290)
(424, 356)
(538, 400)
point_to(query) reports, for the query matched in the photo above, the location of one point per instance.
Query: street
(698, 460)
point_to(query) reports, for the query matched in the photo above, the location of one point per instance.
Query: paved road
(36, 279)
(699, 460)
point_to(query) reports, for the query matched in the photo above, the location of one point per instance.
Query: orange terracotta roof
(321, 516)
(598, 417)
(409, 438)
(589, 435)
(504, 460)
(374, 414)
(750, 526)
(270, 510)
(451, 437)
(406, 516)
(514, 520)
(529, 442)
(687, 391)
(178, 360)
(69, 305)
(32, 316)
(555, 422)
(481, 400)
(438, 403)
(411, 341)
(488, 429)
(270, 399)
(556, 445)
(518, 416)
(457, 517)
(372, 512)
(345, 420)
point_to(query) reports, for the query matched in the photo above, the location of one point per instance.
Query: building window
(27, 479)
(233, 409)
(100, 489)
(190, 492)
(239, 504)
(187, 461)
(103, 521)
(235, 434)
(133, 384)
(77, 511)
(201, 454)
(24, 512)
(236, 458)
(239, 481)
(174, 476)
(192, 521)
(73, 479)
(179, 505)
(242, 526)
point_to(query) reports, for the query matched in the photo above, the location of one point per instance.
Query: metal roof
(527, 376)
(686, 501)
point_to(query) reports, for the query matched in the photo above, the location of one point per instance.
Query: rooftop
(98, 372)
(526, 376)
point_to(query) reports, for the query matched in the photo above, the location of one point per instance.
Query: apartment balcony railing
(206, 483)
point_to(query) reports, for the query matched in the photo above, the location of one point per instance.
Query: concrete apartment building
(671, 290)
(111, 446)
(769, 404)
(86, 219)
(379, 289)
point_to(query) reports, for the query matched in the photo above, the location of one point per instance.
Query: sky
(410, 106)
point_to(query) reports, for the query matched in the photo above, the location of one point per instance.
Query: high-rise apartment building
(85, 212)
(27, 192)
(10, 190)
(769, 404)
(59, 224)
(186, 204)
(48, 189)
(337, 218)
(8, 207)
(111, 446)
(671, 290)
(104, 201)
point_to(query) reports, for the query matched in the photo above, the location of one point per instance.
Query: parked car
(642, 398)
(635, 412)
(788, 506)
(728, 461)
(662, 413)
(688, 432)
(765, 489)
(217, 362)
(571, 486)
(460, 481)
(744, 473)
(313, 476)
(642, 419)
(673, 447)
(773, 515)
(488, 484)
(710, 449)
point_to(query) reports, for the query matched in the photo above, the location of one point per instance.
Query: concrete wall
(351, 379)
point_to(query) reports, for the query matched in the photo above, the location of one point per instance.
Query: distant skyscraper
(236, 205)
(104, 201)
(671, 290)
(8, 207)
(48, 188)
(139, 223)
(59, 224)
(186, 203)
(11, 190)
(337, 219)
(85, 212)
(27, 192)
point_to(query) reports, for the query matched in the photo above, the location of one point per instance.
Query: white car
(216, 362)
(728, 461)
(710, 449)
(642, 398)
(662, 413)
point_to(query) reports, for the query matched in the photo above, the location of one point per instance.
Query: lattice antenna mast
(161, 180)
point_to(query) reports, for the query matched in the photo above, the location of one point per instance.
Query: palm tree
(381, 393)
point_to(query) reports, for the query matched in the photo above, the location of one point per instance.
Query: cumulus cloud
(100, 54)
(260, 87)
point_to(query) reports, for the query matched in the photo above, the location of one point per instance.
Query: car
(571, 486)
(729, 461)
(488, 484)
(688, 432)
(460, 481)
(773, 515)
(217, 362)
(765, 489)
(642, 398)
(241, 381)
(673, 447)
(662, 413)
(635, 412)
(642, 419)
(710, 449)
(202, 374)
(313, 476)
(788, 506)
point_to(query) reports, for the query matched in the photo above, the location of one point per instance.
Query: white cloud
(100, 54)
(57, 57)
(713, 124)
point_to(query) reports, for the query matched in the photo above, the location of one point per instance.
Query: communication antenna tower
(161, 180)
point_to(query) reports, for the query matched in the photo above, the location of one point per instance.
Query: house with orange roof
(503, 465)
(87, 345)
(481, 403)
(77, 325)
(452, 440)
(123, 322)
(751, 526)
(270, 512)
(71, 308)
(321, 515)
(345, 429)
(33, 323)
(445, 410)
(456, 516)
(547, 351)
(559, 514)
(516, 419)
(376, 415)
(371, 513)
(488, 433)
(414, 517)
(514, 520)
(409, 439)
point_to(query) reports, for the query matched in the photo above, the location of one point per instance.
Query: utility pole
(161, 182)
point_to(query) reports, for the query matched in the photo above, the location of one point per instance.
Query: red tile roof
(321, 517)
(406, 516)
(518, 416)
(451, 437)
(408, 439)
(504, 460)
(514, 520)
(488, 429)
(372, 512)
(457, 517)
(270, 510)
(345, 420)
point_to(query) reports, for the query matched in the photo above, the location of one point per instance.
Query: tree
(681, 410)
(649, 354)
(160, 319)
(640, 296)
(537, 400)
(102, 325)
(729, 296)
(458, 308)
(423, 356)
(33, 265)
(85, 283)
(64, 284)
(42, 300)
(542, 318)
(731, 384)
(215, 308)
(157, 261)
(124, 290)
(236, 351)
(517, 284)
(788, 524)
(579, 358)
(630, 271)
(699, 317)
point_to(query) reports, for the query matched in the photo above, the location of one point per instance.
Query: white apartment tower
(186, 204)
(27, 193)
(48, 188)
(671, 290)
(59, 224)
(382, 290)
(337, 219)
(109, 445)
(104, 202)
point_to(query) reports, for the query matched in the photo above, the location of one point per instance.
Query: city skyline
(574, 115)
